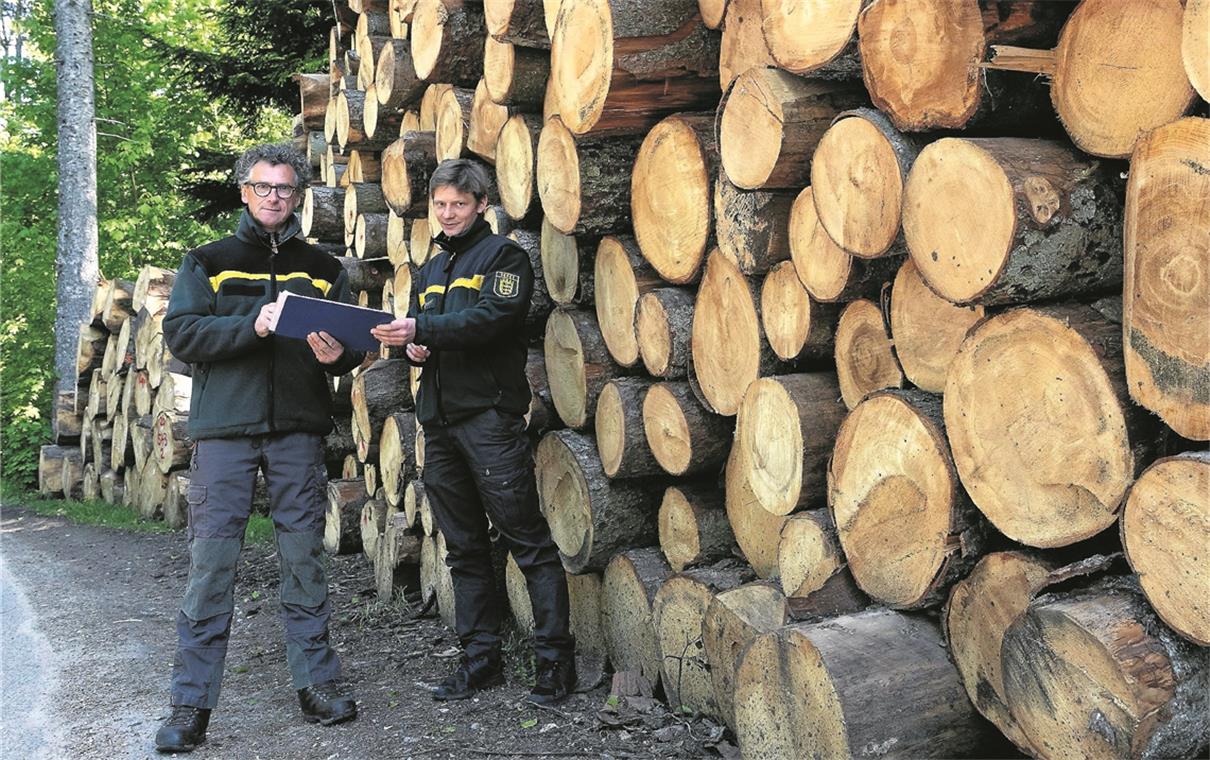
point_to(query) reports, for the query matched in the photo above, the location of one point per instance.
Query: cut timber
(619, 429)
(1043, 432)
(577, 363)
(90, 350)
(858, 175)
(1165, 530)
(743, 46)
(369, 48)
(71, 478)
(712, 12)
(922, 62)
(734, 618)
(816, 37)
(752, 225)
(865, 355)
(428, 569)
(370, 236)
(587, 625)
(420, 246)
(444, 583)
(487, 119)
(515, 76)
(364, 167)
(396, 558)
(453, 123)
(373, 524)
(584, 183)
(624, 64)
(118, 299)
(783, 438)
(176, 501)
(1167, 283)
(397, 455)
(1094, 674)
(567, 264)
(663, 326)
(591, 518)
(979, 611)
(907, 527)
(757, 530)
(684, 438)
(796, 326)
(620, 277)
(367, 274)
(361, 198)
(1048, 224)
(351, 124)
(447, 42)
(678, 612)
(693, 526)
(395, 80)
(152, 491)
(518, 596)
(397, 239)
(314, 91)
(628, 588)
(151, 289)
(379, 390)
(808, 690)
(728, 348)
(413, 497)
(1195, 45)
(342, 521)
(516, 166)
(809, 552)
(521, 22)
(171, 445)
(113, 490)
(541, 416)
(672, 197)
(770, 122)
(407, 165)
(926, 329)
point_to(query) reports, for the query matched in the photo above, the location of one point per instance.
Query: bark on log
(783, 435)
(395, 81)
(378, 391)
(1049, 223)
(1195, 45)
(342, 520)
(621, 441)
(453, 122)
(366, 274)
(672, 196)
(693, 526)
(397, 455)
(591, 518)
(743, 43)
(516, 166)
(1165, 526)
(828, 272)
(567, 265)
(865, 354)
(323, 213)
(407, 165)
(1044, 435)
(370, 238)
(541, 416)
(521, 22)
(809, 553)
(926, 329)
(734, 619)
(1167, 282)
(515, 76)
(628, 588)
(584, 183)
(447, 42)
(752, 227)
(797, 327)
(816, 37)
(683, 436)
(577, 364)
(620, 277)
(314, 91)
(663, 326)
(757, 530)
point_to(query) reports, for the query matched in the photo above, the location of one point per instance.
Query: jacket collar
(478, 230)
(251, 231)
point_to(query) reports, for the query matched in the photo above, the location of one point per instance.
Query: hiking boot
(472, 675)
(325, 703)
(184, 729)
(556, 680)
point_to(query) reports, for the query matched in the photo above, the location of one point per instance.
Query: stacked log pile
(871, 373)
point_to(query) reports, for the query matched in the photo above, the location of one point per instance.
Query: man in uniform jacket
(465, 326)
(259, 402)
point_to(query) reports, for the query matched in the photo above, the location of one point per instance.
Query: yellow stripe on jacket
(322, 285)
(474, 283)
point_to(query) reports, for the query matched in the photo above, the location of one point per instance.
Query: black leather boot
(472, 675)
(184, 729)
(556, 680)
(325, 703)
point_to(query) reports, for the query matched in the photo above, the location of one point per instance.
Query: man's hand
(326, 348)
(417, 352)
(263, 319)
(397, 333)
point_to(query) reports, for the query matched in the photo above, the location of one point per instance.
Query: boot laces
(183, 716)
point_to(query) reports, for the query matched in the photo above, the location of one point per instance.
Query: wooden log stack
(785, 330)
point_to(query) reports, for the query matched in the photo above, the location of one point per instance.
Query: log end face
(858, 187)
(581, 62)
(558, 175)
(670, 199)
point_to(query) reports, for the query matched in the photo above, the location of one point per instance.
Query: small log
(453, 122)
(396, 84)
(827, 271)
(620, 276)
(413, 497)
(541, 416)
(420, 242)
(151, 289)
(620, 438)
(314, 91)
(113, 490)
(808, 553)
(407, 165)
(447, 42)
(118, 299)
(398, 230)
(152, 491)
(816, 37)
(428, 106)
(797, 327)
(67, 422)
(90, 351)
(693, 526)
(342, 521)
(628, 588)
(515, 76)
(351, 126)
(663, 326)
(521, 22)
(578, 365)
(397, 455)
(378, 391)
(323, 213)
(757, 530)
(176, 501)
(926, 329)
(361, 198)
(733, 620)
(567, 266)
(397, 558)
(516, 166)
(584, 183)
(70, 484)
(487, 119)
(170, 442)
(865, 355)
(684, 438)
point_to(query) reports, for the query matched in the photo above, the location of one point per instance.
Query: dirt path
(91, 657)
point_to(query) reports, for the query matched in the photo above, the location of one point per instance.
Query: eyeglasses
(262, 190)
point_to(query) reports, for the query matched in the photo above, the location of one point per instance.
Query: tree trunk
(1043, 432)
(342, 521)
(407, 165)
(581, 182)
(1049, 223)
(1164, 305)
(397, 454)
(629, 586)
(619, 429)
(926, 330)
(591, 518)
(733, 619)
(672, 195)
(752, 226)
(865, 355)
(567, 265)
(1165, 525)
(378, 391)
(370, 239)
(817, 38)
(516, 166)
(684, 437)
(783, 436)
(807, 690)
(515, 76)
(447, 42)
(693, 526)
(578, 365)
(663, 325)
(395, 81)
(797, 327)
(520, 22)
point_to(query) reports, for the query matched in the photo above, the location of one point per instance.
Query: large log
(671, 195)
(621, 440)
(407, 165)
(1049, 223)
(628, 588)
(567, 265)
(926, 329)
(378, 391)
(620, 277)
(1167, 278)
(370, 238)
(865, 355)
(323, 213)
(734, 618)
(683, 436)
(624, 64)
(797, 326)
(809, 690)
(783, 439)
(663, 327)
(815, 37)
(770, 122)
(591, 518)
(447, 42)
(577, 363)
(584, 183)
(693, 526)
(1043, 432)
(1093, 673)
(1165, 527)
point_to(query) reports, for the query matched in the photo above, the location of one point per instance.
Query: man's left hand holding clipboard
(327, 326)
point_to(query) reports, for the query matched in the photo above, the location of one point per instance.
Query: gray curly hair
(273, 154)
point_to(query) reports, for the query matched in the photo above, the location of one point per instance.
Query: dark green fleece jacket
(244, 384)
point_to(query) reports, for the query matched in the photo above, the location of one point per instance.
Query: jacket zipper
(273, 295)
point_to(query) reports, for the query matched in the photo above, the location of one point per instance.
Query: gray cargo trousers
(222, 479)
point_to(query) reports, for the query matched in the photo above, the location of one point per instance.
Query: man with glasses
(259, 402)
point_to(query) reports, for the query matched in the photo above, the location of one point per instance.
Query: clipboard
(297, 316)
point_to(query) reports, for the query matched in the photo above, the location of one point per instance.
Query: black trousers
(482, 468)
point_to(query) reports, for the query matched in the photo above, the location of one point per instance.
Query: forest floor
(88, 616)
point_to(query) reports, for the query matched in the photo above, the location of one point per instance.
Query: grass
(260, 528)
